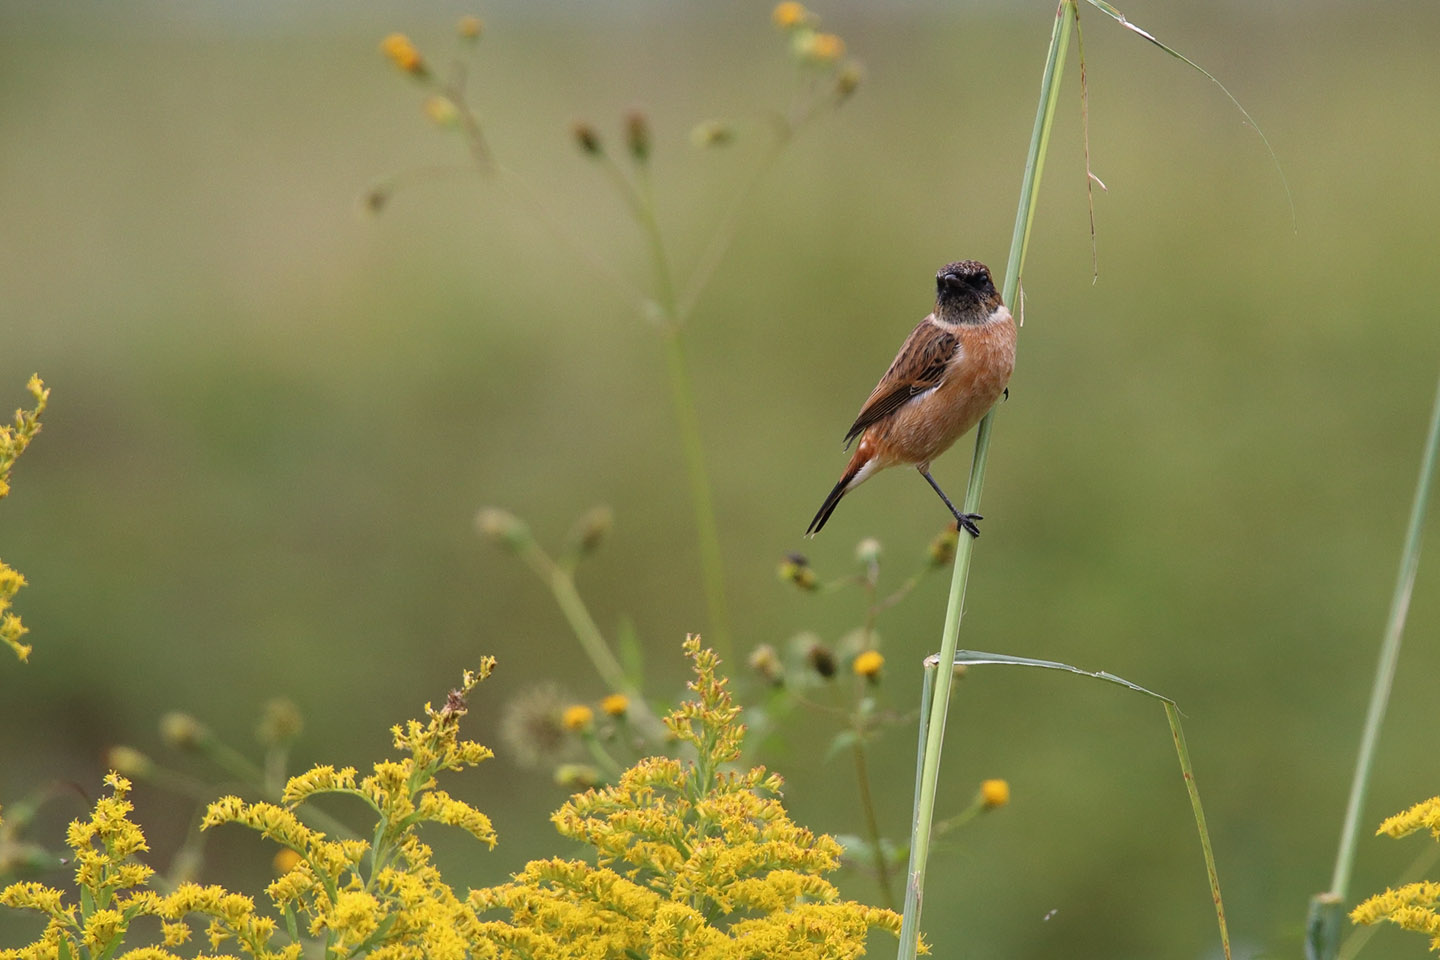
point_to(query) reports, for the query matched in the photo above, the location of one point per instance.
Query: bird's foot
(967, 522)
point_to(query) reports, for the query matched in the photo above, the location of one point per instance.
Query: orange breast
(926, 427)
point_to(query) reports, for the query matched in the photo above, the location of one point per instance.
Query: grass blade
(909, 932)
(1139, 31)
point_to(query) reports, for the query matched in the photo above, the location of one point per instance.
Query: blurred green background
(274, 416)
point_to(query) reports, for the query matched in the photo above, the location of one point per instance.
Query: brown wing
(918, 367)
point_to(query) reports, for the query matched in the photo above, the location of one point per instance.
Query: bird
(951, 370)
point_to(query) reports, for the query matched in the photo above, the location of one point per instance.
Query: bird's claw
(967, 523)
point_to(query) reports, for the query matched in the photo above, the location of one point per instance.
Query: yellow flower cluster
(13, 441)
(384, 901)
(693, 860)
(1415, 906)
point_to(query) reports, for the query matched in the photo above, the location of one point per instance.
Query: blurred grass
(273, 419)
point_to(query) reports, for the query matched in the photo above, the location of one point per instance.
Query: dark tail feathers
(828, 507)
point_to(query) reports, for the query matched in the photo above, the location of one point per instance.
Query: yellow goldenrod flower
(615, 705)
(822, 47)
(868, 664)
(577, 718)
(1423, 815)
(441, 111)
(994, 793)
(790, 14)
(402, 53)
(470, 27)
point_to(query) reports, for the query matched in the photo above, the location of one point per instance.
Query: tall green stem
(1323, 926)
(934, 732)
(683, 397)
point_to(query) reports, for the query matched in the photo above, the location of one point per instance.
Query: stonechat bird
(951, 370)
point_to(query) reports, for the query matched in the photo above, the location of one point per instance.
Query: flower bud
(403, 54)
(615, 705)
(503, 527)
(576, 776)
(182, 731)
(587, 139)
(994, 793)
(129, 762)
(441, 111)
(470, 27)
(821, 660)
(867, 552)
(637, 135)
(590, 530)
(712, 133)
(766, 662)
(942, 548)
(795, 568)
(280, 723)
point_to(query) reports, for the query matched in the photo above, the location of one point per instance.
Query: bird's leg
(966, 520)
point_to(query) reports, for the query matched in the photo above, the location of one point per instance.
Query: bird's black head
(964, 292)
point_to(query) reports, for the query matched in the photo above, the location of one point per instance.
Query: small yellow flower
(615, 705)
(823, 47)
(868, 664)
(470, 27)
(285, 861)
(994, 793)
(789, 14)
(402, 53)
(577, 718)
(441, 111)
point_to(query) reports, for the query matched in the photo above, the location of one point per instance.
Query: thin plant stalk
(1323, 927)
(933, 725)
